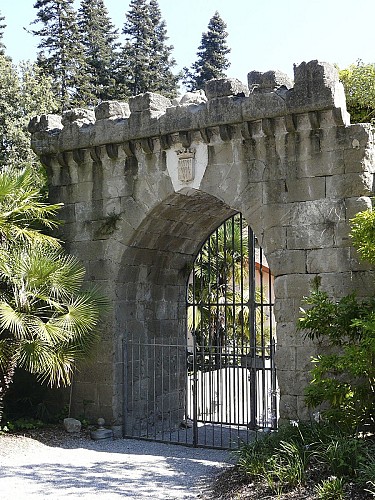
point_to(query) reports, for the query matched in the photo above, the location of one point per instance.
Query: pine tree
(146, 60)
(212, 56)
(137, 48)
(161, 77)
(61, 54)
(99, 37)
(2, 28)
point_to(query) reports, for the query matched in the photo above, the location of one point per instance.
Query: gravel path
(40, 466)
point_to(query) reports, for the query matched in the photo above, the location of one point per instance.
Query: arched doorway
(171, 375)
(232, 386)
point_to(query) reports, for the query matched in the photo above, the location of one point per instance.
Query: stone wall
(145, 183)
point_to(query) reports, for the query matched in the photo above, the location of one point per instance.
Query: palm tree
(223, 310)
(47, 321)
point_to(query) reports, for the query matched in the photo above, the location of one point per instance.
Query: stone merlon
(226, 101)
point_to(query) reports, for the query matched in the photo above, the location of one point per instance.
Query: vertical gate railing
(220, 386)
(232, 385)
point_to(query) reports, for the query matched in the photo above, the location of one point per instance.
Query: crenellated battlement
(268, 105)
(144, 183)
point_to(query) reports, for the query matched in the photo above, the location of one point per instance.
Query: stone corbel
(62, 158)
(206, 135)
(166, 141)
(147, 145)
(314, 119)
(290, 123)
(46, 160)
(185, 139)
(79, 156)
(225, 132)
(96, 154)
(112, 151)
(267, 126)
(128, 148)
(246, 130)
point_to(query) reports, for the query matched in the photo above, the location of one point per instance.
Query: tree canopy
(146, 61)
(212, 61)
(359, 84)
(100, 41)
(61, 54)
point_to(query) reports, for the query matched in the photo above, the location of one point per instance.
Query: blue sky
(263, 34)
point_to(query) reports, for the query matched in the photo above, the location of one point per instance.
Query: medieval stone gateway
(145, 183)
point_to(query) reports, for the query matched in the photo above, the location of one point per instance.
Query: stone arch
(286, 157)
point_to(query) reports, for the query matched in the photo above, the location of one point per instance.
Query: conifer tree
(61, 52)
(212, 54)
(137, 48)
(2, 27)
(146, 60)
(161, 77)
(98, 36)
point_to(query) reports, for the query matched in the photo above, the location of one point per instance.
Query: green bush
(344, 375)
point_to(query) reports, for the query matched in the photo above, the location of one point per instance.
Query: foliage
(331, 489)
(212, 54)
(301, 453)
(344, 376)
(24, 93)
(2, 27)
(359, 84)
(47, 321)
(61, 54)
(146, 60)
(99, 40)
(363, 234)
(220, 291)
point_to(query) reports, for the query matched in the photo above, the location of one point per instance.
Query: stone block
(285, 261)
(72, 425)
(350, 185)
(308, 236)
(155, 103)
(270, 81)
(317, 86)
(292, 286)
(305, 189)
(225, 87)
(328, 260)
(80, 116)
(112, 109)
(196, 97)
(45, 123)
(321, 164)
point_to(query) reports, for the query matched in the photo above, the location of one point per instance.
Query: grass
(331, 462)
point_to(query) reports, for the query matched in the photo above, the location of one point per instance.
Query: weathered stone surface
(270, 81)
(45, 123)
(79, 116)
(72, 425)
(225, 87)
(149, 102)
(197, 97)
(286, 158)
(112, 109)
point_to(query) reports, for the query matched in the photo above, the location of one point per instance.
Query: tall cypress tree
(146, 60)
(212, 54)
(99, 37)
(61, 52)
(2, 28)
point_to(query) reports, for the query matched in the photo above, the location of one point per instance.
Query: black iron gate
(220, 386)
